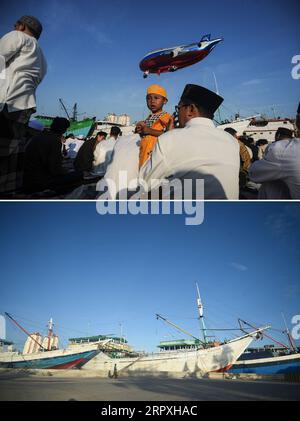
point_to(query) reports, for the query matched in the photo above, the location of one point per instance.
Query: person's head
(197, 101)
(70, 136)
(231, 131)
(283, 133)
(30, 25)
(261, 142)
(100, 136)
(115, 131)
(156, 98)
(59, 125)
(245, 140)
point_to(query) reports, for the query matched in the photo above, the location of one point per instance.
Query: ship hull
(201, 361)
(273, 365)
(83, 127)
(59, 359)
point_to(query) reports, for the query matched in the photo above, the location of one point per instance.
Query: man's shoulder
(171, 134)
(13, 38)
(12, 34)
(276, 148)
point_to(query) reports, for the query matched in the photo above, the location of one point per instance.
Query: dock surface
(23, 387)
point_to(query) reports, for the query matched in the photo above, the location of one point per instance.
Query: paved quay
(23, 387)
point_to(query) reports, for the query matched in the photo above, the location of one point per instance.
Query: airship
(174, 58)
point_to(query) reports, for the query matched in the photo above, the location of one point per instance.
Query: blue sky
(93, 49)
(99, 274)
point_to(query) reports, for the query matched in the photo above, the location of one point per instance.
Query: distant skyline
(94, 48)
(111, 274)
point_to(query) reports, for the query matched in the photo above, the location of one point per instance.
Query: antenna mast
(200, 311)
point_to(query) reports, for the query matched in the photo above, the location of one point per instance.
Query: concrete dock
(24, 386)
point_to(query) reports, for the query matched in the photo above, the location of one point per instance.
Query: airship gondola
(174, 58)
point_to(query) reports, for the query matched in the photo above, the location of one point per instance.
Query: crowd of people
(185, 146)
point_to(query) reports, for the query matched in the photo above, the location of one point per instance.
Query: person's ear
(190, 110)
(21, 27)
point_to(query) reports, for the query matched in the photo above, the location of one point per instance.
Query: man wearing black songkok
(197, 150)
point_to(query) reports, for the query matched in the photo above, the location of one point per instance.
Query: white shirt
(281, 162)
(197, 151)
(25, 69)
(102, 155)
(125, 158)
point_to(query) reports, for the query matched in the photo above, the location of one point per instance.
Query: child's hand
(139, 128)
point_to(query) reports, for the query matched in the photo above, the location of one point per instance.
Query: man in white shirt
(197, 150)
(279, 170)
(25, 67)
(123, 170)
(115, 132)
(104, 151)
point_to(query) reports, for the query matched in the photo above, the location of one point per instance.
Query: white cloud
(238, 266)
(291, 290)
(253, 82)
(284, 221)
(98, 36)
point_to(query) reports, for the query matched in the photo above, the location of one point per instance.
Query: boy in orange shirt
(155, 124)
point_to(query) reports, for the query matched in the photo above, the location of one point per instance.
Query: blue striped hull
(276, 367)
(58, 362)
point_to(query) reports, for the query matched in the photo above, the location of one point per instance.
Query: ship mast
(288, 333)
(217, 92)
(28, 334)
(200, 311)
(63, 105)
(158, 316)
(50, 332)
(75, 112)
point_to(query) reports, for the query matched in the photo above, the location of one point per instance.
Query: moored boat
(84, 127)
(270, 359)
(257, 127)
(269, 365)
(43, 353)
(194, 357)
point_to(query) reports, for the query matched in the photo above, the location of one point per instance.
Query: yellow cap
(158, 90)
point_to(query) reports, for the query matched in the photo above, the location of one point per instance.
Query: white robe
(123, 169)
(280, 165)
(25, 68)
(197, 151)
